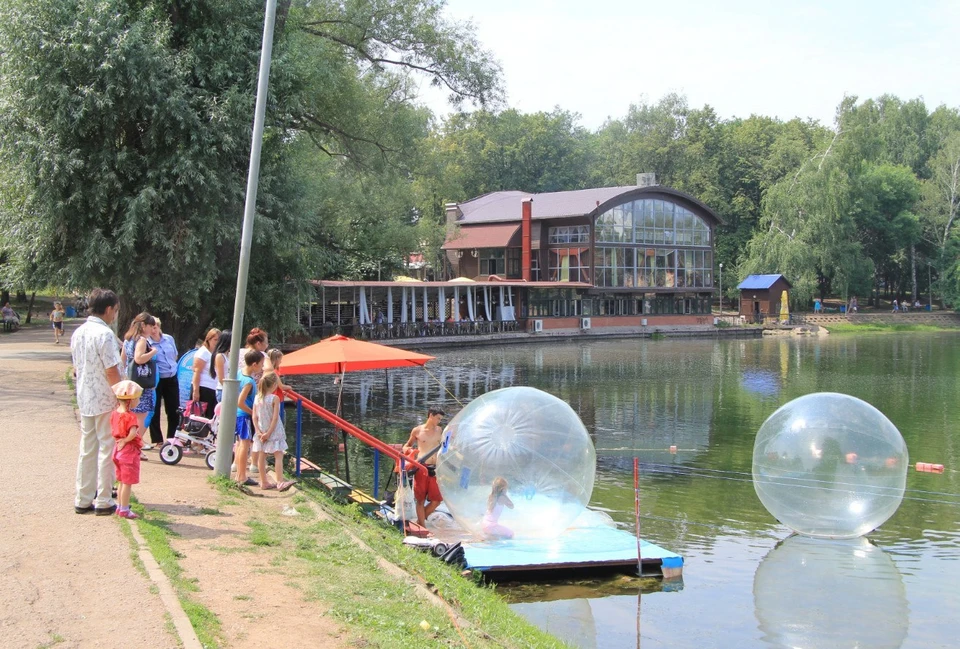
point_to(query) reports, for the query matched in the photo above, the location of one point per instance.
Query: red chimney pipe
(526, 217)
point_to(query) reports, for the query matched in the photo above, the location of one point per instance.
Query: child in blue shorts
(244, 431)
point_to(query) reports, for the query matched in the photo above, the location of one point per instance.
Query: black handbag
(144, 375)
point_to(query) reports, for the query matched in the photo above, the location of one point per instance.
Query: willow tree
(127, 124)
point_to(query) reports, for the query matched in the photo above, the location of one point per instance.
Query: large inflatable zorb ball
(521, 447)
(830, 465)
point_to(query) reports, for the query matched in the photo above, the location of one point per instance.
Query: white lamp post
(721, 289)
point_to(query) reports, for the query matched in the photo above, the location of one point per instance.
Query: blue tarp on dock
(576, 548)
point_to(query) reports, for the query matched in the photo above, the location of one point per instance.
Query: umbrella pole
(343, 434)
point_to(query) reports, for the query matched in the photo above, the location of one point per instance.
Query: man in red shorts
(426, 438)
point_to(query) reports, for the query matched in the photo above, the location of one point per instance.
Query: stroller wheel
(211, 459)
(170, 453)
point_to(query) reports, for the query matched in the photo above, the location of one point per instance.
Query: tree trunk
(913, 272)
(30, 306)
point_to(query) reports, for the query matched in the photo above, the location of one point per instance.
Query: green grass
(385, 610)
(154, 526)
(879, 327)
(55, 639)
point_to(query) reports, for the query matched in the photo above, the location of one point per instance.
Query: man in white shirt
(96, 361)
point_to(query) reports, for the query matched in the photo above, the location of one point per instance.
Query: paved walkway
(67, 580)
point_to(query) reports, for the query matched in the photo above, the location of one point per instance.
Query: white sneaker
(253, 469)
(148, 447)
(233, 468)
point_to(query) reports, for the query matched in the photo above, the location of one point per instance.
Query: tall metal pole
(721, 289)
(231, 386)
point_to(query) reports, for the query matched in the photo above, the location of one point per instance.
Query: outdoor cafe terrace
(411, 309)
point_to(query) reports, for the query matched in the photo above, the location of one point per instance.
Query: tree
(537, 152)
(126, 126)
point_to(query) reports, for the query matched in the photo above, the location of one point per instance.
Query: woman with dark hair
(205, 385)
(220, 367)
(137, 349)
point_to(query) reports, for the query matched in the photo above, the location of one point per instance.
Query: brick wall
(940, 319)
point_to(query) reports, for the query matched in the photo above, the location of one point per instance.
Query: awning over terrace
(499, 235)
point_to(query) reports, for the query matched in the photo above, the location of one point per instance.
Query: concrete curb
(167, 595)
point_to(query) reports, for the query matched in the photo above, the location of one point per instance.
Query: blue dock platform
(592, 545)
(577, 548)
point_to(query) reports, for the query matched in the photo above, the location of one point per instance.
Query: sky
(742, 57)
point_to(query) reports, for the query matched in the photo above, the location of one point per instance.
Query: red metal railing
(387, 449)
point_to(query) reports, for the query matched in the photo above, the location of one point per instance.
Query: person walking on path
(168, 387)
(56, 318)
(96, 361)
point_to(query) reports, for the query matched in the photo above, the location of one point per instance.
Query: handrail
(362, 435)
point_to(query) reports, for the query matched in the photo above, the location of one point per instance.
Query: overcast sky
(742, 57)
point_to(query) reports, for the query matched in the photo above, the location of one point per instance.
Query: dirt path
(70, 581)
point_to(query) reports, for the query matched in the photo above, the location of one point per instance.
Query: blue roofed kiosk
(760, 297)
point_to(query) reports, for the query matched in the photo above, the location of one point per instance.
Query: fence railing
(396, 330)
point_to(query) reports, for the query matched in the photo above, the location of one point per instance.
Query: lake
(747, 582)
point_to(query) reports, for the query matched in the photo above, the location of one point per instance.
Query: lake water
(747, 582)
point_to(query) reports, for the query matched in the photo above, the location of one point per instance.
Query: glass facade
(644, 233)
(654, 267)
(652, 221)
(560, 303)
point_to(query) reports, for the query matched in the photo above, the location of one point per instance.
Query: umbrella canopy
(338, 354)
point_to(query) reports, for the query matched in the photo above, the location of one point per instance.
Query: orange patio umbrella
(339, 354)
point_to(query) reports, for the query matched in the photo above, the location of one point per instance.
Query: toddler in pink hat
(129, 440)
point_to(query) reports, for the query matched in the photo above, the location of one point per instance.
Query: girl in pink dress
(497, 500)
(128, 434)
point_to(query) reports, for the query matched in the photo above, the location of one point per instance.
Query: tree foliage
(126, 133)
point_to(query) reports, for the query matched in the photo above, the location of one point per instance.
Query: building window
(654, 267)
(568, 264)
(652, 221)
(556, 303)
(492, 261)
(617, 267)
(513, 263)
(569, 234)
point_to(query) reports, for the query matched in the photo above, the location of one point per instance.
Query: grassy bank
(383, 608)
(879, 327)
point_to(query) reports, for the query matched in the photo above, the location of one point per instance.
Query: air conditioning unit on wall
(537, 326)
(584, 323)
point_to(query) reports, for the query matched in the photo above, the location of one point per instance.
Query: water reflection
(815, 593)
(708, 398)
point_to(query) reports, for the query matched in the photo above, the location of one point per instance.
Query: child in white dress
(269, 436)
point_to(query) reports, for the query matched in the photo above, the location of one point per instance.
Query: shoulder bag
(144, 375)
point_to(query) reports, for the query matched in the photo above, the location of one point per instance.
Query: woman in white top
(204, 385)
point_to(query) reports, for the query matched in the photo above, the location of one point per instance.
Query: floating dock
(579, 548)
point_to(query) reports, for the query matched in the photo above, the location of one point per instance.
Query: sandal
(268, 486)
(286, 484)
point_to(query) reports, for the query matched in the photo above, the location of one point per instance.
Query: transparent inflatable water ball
(830, 465)
(516, 463)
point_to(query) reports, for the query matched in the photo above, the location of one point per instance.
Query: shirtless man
(426, 438)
